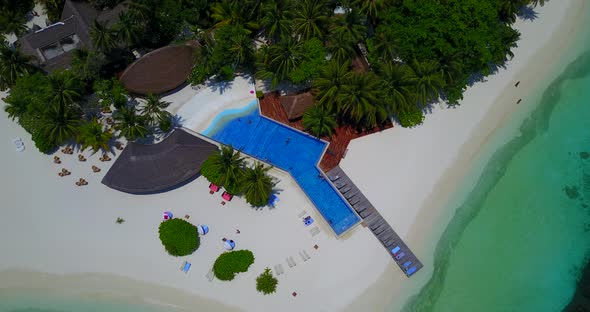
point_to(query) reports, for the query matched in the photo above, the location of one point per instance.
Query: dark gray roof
(154, 168)
(77, 18)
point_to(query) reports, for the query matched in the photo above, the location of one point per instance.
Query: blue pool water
(291, 151)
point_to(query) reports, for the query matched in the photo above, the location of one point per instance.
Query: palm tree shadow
(528, 13)
(219, 85)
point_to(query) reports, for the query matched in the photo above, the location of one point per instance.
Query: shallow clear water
(292, 151)
(522, 235)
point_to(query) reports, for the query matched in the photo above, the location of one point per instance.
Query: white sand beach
(64, 237)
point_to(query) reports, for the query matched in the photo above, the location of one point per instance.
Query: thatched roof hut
(295, 105)
(154, 168)
(159, 71)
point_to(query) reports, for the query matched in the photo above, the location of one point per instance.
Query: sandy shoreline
(70, 232)
(538, 56)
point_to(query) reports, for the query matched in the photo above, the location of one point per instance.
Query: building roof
(77, 19)
(159, 71)
(154, 168)
(295, 105)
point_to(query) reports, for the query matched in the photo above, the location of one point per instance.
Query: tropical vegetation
(179, 237)
(13, 15)
(229, 263)
(266, 283)
(228, 169)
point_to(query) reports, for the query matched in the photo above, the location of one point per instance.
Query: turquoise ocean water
(522, 234)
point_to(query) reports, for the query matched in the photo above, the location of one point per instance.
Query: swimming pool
(292, 151)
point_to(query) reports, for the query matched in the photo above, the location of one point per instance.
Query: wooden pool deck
(270, 107)
(373, 220)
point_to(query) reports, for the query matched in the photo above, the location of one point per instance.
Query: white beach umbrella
(229, 244)
(202, 229)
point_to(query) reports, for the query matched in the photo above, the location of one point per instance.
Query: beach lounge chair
(314, 231)
(186, 267)
(400, 256)
(227, 196)
(345, 189)
(407, 265)
(395, 250)
(301, 214)
(334, 178)
(306, 255)
(411, 271)
(19, 144)
(302, 256)
(210, 275)
(214, 188)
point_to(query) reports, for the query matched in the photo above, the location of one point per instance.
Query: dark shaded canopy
(159, 71)
(153, 168)
(295, 105)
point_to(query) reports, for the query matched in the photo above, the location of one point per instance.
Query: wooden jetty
(376, 223)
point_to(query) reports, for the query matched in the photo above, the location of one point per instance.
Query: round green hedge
(179, 237)
(229, 263)
(266, 283)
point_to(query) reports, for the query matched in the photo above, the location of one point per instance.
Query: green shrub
(259, 94)
(266, 283)
(179, 237)
(42, 143)
(165, 124)
(230, 263)
(410, 118)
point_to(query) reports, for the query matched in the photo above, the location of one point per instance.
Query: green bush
(259, 94)
(410, 118)
(42, 143)
(266, 283)
(230, 263)
(179, 237)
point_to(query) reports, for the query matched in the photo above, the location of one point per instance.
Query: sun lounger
(407, 264)
(302, 256)
(400, 256)
(350, 195)
(186, 267)
(365, 213)
(306, 255)
(214, 188)
(354, 201)
(227, 196)
(302, 213)
(281, 268)
(314, 231)
(345, 189)
(289, 262)
(340, 185)
(210, 275)
(292, 261)
(334, 178)
(411, 271)
(277, 270)
(395, 250)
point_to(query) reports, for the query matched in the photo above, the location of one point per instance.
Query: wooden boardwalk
(373, 219)
(270, 107)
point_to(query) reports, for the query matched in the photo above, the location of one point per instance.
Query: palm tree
(311, 18)
(131, 125)
(370, 8)
(128, 29)
(319, 121)
(12, 65)
(330, 82)
(59, 124)
(16, 109)
(102, 37)
(280, 59)
(361, 100)
(86, 64)
(65, 89)
(341, 47)
(257, 185)
(233, 12)
(397, 82)
(224, 168)
(276, 18)
(385, 45)
(508, 9)
(154, 109)
(93, 135)
(350, 25)
(428, 81)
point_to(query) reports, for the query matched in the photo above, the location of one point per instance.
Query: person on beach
(237, 231)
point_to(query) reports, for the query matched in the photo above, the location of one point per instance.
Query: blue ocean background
(521, 236)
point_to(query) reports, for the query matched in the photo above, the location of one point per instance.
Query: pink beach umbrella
(167, 215)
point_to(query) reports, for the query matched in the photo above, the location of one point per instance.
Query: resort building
(52, 47)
